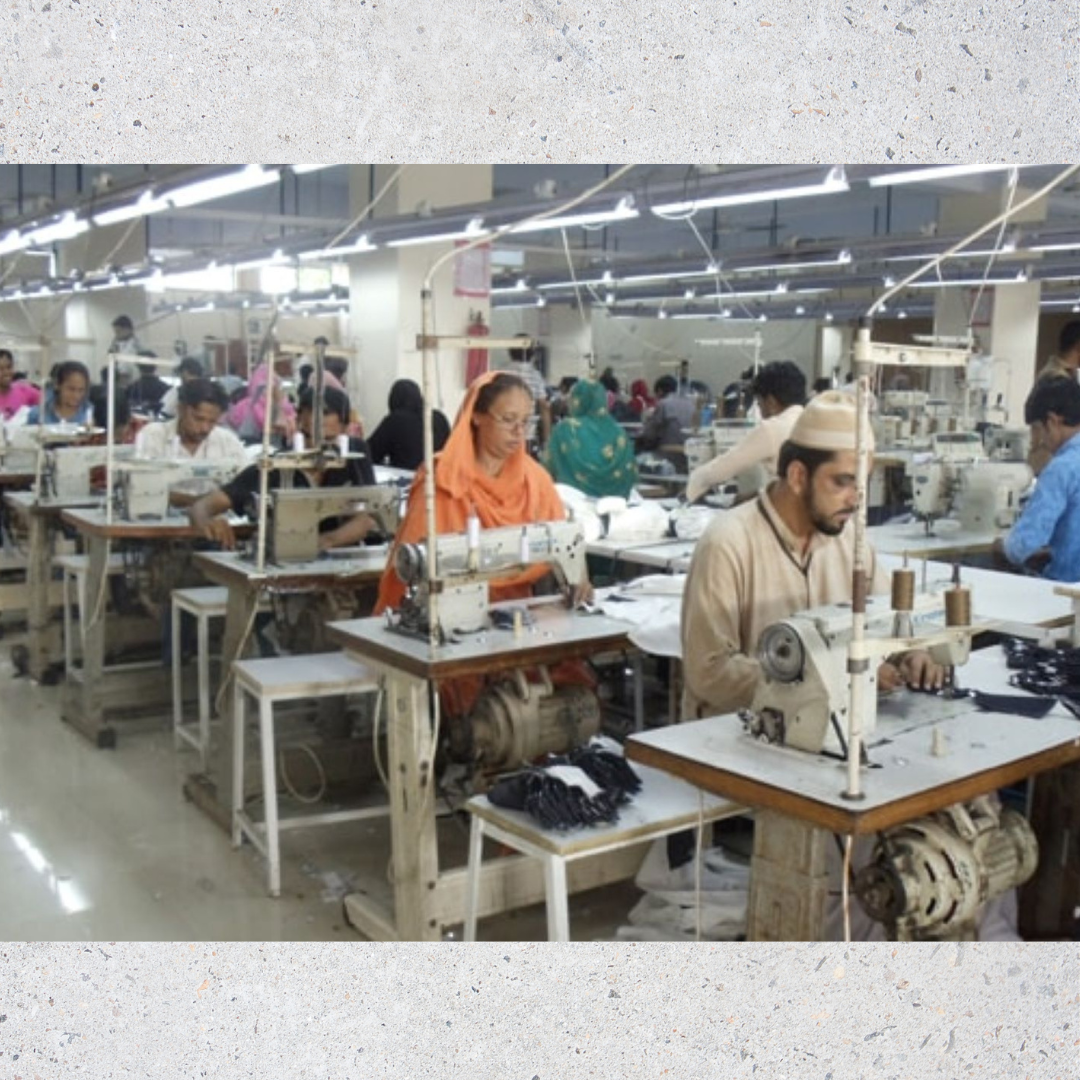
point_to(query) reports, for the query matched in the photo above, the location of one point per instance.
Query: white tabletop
(898, 537)
(900, 748)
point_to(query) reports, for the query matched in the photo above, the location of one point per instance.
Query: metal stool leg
(203, 661)
(558, 908)
(177, 682)
(472, 886)
(239, 717)
(269, 778)
(69, 644)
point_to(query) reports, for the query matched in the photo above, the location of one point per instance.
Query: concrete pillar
(385, 286)
(1006, 323)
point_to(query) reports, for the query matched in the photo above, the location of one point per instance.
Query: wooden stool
(664, 805)
(273, 680)
(74, 568)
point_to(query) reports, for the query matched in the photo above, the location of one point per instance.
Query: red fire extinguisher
(476, 362)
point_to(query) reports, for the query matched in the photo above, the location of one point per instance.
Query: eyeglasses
(512, 423)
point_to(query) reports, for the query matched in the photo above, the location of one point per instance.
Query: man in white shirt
(780, 390)
(194, 433)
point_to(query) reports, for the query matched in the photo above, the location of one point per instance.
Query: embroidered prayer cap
(828, 423)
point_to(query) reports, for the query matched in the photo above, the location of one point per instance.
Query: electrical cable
(937, 260)
(1014, 180)
(370, 206)
(379, 698)
(844, 889)
(586, 325)
(308, 800)
(698, 855)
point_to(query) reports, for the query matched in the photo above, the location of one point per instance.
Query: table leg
(41, 632)
(83, 706)
(789, 881)
(411, 769)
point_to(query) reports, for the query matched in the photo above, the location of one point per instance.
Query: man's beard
(829, 526)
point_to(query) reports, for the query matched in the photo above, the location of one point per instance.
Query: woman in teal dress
(588, 450)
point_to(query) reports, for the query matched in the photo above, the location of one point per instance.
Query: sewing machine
(21, 444)
(466, 564)
(294, 515)
(723, 436)
(68, 468)
(803, 698)
(1007, 444)
(142, 488)
(958, 480)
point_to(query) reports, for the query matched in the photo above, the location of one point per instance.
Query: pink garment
(19, 395)
(248, 415)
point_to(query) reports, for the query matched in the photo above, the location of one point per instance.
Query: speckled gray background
(524, 80)
(540, 1012)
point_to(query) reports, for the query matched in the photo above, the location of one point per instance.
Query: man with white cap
(784, 552)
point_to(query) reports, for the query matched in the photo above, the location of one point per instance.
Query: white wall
(648, 348)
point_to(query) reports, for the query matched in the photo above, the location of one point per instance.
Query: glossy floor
(101, 844)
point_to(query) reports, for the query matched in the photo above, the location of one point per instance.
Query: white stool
(74, 568)
(664, 805)
(287, 678)
(204, 603)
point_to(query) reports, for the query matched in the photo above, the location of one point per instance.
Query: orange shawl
(522, 493)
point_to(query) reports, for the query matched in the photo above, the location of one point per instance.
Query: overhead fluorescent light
(218, 187)
(671, 275)
(11, 242)
(841, 258)
(1071, 245)
(623, 211)
(834, 182)
(500, 290)
(934, 172)
(145, 204)
(66, 228)
(472, 231)
(301, 170)
(277, 259)
(355, 247)
(571, 284)
(973, 282)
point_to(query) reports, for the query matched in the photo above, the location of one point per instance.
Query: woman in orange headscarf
(483, 466)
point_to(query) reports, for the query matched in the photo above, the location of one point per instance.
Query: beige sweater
(749, 571)
(759, 447)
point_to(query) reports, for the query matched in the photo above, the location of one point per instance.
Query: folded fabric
(1017, 704)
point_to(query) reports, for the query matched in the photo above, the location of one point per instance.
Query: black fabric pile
(1053, 674)
(555, 804)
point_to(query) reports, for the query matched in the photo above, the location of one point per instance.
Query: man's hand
(920, 672)
(219, 530)
(915, 669)
(582, 594)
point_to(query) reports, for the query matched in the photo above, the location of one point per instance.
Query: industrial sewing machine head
(21, 444)
(1008, 444)
(142, 488)
(293, 516)
(67, 468)
(467, 562)
(803, 698)
(935, 477)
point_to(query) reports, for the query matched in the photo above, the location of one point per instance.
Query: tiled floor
(101, 844)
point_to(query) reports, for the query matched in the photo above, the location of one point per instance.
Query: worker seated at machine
(355, 470)
(484, 479)
(196, 432)
(786, 551)
(767, 633)
(1047, 534)
(780, 391)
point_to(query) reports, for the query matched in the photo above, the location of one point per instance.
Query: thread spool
(903, 590)
(958, 606)
(298, 442)
(343, 445)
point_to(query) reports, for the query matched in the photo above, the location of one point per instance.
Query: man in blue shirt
(1050, 523)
